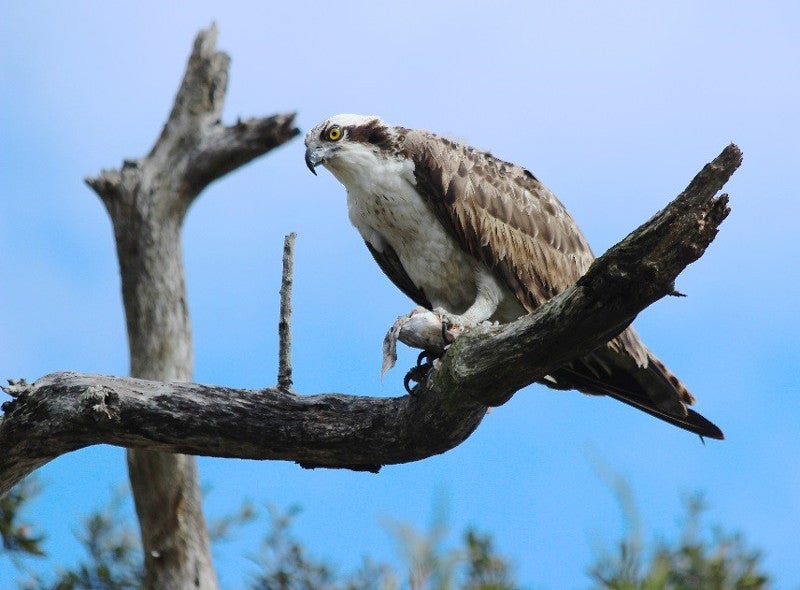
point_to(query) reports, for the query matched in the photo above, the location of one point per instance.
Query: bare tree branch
(147, 200)
(484, 367)
(285, 322)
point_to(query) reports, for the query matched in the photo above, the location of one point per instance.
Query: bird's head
(343, 141)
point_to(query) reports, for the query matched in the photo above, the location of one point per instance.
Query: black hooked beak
(313, 159)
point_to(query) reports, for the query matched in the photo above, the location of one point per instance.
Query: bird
(478, 239)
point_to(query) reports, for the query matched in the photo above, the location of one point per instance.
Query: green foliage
(701, 558)
(113, 560)
(431, 566)
(222, 528)
(719, 563)
(285, 563)
(18, 540)
(486, 570)
(715, 561)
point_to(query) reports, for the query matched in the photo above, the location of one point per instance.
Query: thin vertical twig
(285, 321)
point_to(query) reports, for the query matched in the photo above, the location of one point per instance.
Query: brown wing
(502, 214)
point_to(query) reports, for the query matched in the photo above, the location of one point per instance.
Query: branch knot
(17, 389)
(100, 404)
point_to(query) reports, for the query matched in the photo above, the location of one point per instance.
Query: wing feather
(390, 264)
(501, 214)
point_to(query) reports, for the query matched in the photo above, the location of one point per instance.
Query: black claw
(406, 382)
(428, 357)
(419, 373)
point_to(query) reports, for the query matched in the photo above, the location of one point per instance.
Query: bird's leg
(487, 298)
(425, 362)
(420, 329)
(434, 331)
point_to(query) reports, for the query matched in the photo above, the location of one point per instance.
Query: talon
(416, 374)
(428, 356)
(406, 382)
(423, 355)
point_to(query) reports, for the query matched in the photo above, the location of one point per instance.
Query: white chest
(384, 206)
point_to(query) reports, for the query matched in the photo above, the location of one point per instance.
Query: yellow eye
(334, 133)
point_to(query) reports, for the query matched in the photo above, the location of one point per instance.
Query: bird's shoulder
(497, 202)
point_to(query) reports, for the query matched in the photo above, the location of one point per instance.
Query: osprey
(475, 238)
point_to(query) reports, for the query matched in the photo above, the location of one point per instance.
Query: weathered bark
(285, 322)
(147, 201)
(484, 367)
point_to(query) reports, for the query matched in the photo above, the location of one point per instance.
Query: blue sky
(614, 105)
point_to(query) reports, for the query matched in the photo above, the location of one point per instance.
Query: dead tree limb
(147, 200)
(484, 367)
(285, 321)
